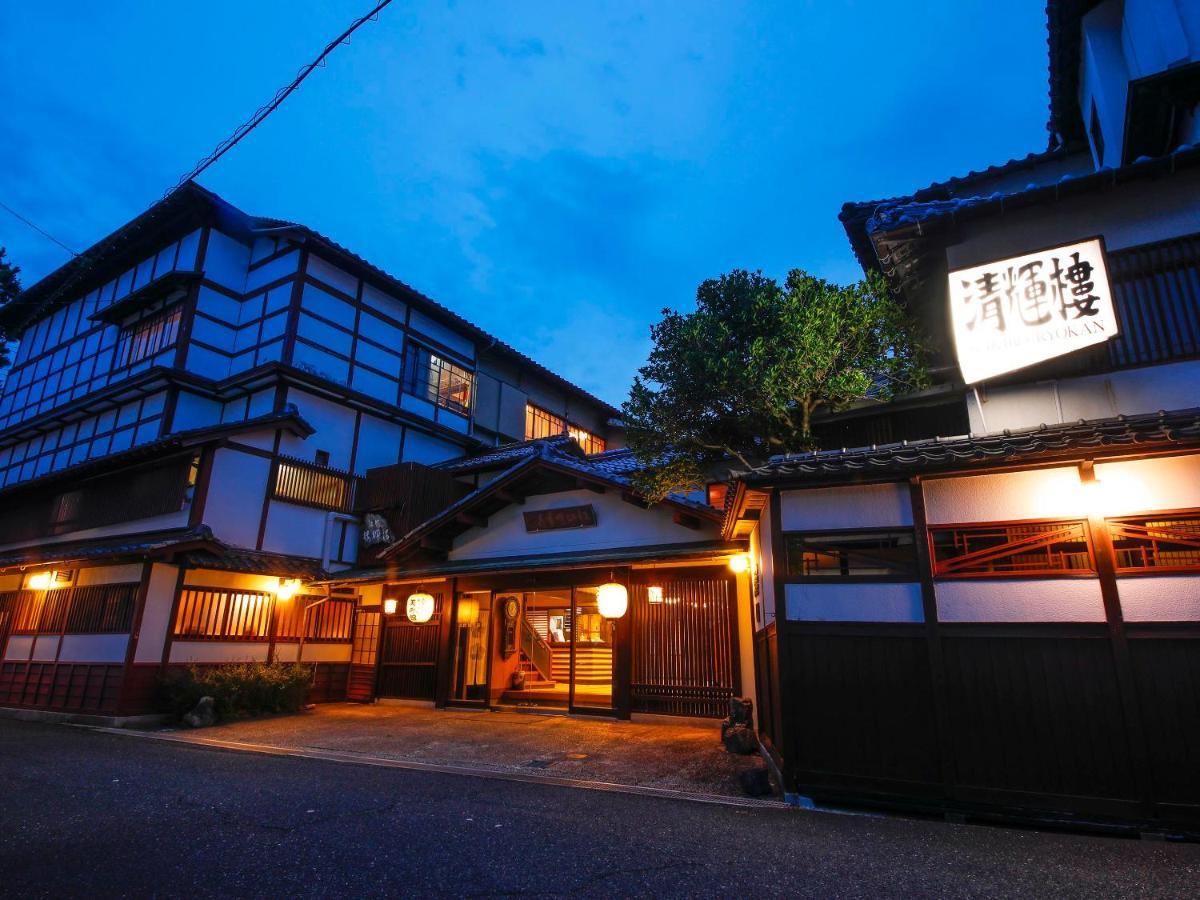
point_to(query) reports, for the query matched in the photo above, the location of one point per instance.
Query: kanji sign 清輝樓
(1016, 312)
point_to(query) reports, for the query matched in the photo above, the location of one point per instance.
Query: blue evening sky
(555, 172)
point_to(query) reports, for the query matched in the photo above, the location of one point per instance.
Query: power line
(280, 95)
(42, 231)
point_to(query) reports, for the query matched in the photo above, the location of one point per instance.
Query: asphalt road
(107, 815)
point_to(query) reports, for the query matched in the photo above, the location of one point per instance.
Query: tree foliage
(741, 378)
(10, 287)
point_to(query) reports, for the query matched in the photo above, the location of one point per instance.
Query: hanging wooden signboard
(564, 517)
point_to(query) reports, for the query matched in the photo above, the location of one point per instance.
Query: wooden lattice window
(1015, 548)
(366, 638)
(441, 382)
(326, 620)
(540, 423)
(215, 614)
(1162, 542)
(149, 336)
(302, 482)
(102, 609)
(866, 554)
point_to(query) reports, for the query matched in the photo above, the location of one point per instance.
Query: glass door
(471, 645)
(592, 648)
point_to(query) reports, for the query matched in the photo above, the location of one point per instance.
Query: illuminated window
(1015, 549)
(441, 382)
(224, 615)
(868, 554)
(312, 485)
(542, 424)
(1157, 543)
(148, 337)
(315, 618)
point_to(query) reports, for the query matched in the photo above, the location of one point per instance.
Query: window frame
(941, 574)
(1116, 522)
(412, 370)
(912, 576)
(533, 411)
(129, 333)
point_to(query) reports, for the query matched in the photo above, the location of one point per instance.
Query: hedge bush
(240, 690)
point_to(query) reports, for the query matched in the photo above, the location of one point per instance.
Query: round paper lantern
(613, 600)
(420, 607)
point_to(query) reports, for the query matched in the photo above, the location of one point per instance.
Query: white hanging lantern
(420, 607)
(612, 599)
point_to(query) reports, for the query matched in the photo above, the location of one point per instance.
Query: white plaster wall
(378, 444)
(1008, 496)
(45, 648)
(1129, 392)
(156, 523)
(1020, 600)
(194, 411)
(334, 426)
(218, 651)
(854, 602)
(619, 524)
(294, 529)
(1160, 598)
(234, 580)
(235, 496)
(370, 594)
(109, 575)
(94, 648)
(156, 617)
(286, 652)
(762, 538)
(745, 637)
(425, 448)
(857, 506)
(1147, 485)
(18, 648)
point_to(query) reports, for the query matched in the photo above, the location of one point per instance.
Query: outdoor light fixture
(654, 593)
(41, 581)
(612, 599)
(389, 606)
(468, 611)
(420, 607)
(287, 589)
(739, 563)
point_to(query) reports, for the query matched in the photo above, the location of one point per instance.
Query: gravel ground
(104, 815)
(676, 757)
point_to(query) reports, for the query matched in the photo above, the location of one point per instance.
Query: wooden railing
(305, 483)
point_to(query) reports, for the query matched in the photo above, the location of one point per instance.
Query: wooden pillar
(933, 637)
(135, 631)
(441, 691)
(788, 737)
(622, 674)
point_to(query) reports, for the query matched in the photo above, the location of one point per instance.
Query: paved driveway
(668, 757)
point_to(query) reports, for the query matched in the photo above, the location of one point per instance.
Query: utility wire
(42, 231)
(82, 260)
(280, 95)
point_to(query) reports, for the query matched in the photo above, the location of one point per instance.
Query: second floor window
(867, 554)
(148, 337)
(441, 382)
(540, 423)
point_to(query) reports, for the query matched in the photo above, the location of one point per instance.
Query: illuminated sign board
(1016, 312)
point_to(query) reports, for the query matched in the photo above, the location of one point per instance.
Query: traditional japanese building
(986, 598)
(183, 434)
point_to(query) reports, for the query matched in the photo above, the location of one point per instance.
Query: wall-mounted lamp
(739, 563)
(654, 593)
(389, 606)
(287, 589)
(41, 581)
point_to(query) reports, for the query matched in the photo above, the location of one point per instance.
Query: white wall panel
(156, 618)
(218, 651)
(854, 602)
(18, 648)
(1146, 485)
(619, 524)
(334, 426)
(294, 529)
(109, 575)
(235, 494)
(94, 648)
(1160, 598)
(45, 648)
(1020, 600)
(857, 506)
(1037, 494)
(425, 448)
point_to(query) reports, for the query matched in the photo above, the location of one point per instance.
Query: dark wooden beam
(630, 497)
(472, 519)
(584, 484)
(687, 520)
(434, 543)
(510, 496)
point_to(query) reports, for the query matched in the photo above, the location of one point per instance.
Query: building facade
(990, 603)
(191, 410)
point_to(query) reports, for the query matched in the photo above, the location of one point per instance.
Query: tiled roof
(506, 454)
(224, 558)
(114, 546)
(1103, 436)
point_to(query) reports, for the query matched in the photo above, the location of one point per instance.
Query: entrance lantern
(612, 599)
(420, 607)
(739, 563)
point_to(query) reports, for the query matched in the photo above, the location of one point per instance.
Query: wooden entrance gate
(685, 659)
(408, 656)
(364, 657)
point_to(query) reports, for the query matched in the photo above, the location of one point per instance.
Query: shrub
(239, 690)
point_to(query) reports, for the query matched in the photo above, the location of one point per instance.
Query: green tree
(741, 378)
(10, 287)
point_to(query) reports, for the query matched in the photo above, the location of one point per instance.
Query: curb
(444, 769)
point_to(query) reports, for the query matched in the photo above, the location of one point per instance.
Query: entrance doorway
(559, 651)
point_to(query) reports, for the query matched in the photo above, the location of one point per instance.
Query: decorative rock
(755, 782)
(203, 715)
(740, 739)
